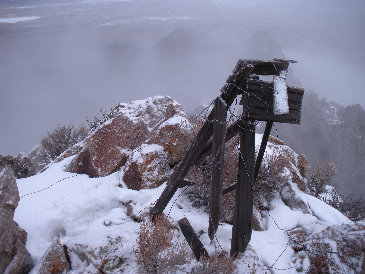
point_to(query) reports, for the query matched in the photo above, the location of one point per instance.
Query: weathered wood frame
(257, 100)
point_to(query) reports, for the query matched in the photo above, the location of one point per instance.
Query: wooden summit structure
(261, 101)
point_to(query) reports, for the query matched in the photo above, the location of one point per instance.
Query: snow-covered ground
(90, 211)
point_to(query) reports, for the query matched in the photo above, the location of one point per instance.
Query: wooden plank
(219, 132)
(235, 83)
(229, 188)
(257, 101)
(268, 67)
(184, 183)
(232, 131)
(192, 239)
(242, 218)
(261, 153)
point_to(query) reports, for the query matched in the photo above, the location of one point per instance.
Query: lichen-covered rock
(174, 135)
(147, 167)
(14, 258)
(55, 260)
(155, 120)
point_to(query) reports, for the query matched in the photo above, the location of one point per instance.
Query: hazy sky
(61, 61)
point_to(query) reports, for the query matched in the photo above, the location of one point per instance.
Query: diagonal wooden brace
(235, 83)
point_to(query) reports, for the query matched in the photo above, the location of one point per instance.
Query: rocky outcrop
(147, 167)
(174, 135)
(55, 260)
(140, 124)
(21, 165)
(107, 148)
(14, 258)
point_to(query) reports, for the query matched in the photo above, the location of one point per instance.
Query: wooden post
(232, 131)
(219, 132)
(264, 140)
(242, 218)
(235, 83)
(259, 158)
(192, 239)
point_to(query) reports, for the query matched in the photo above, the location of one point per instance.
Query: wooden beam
(184, 183)
(242, 218)
(180, 171)
(264, 140)
(234, 85)
(219, 132)
(232, 131)
(259, 158)
(268, 67)
(192, 239)
(229, 188)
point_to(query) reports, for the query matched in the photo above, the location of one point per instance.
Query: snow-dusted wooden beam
(192, 239)
(274, 67)
(242, 217)
(219, 132)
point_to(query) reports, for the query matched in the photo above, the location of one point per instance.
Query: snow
(153, 110)
(91, 211)
(13, 20)
(281, 105)
(183, 122)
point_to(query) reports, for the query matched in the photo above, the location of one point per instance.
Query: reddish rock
(108, 148)
(83, 164)
(132, 176)
(55, 260)
(297, 239)
(174, 138)
(147, 167)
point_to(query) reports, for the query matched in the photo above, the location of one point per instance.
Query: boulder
(174, 135)
(55, 260)
(107, 148)
(155, 120)
(147, 167)
(14, 258)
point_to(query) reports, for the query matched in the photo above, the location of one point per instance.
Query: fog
(67, 59)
